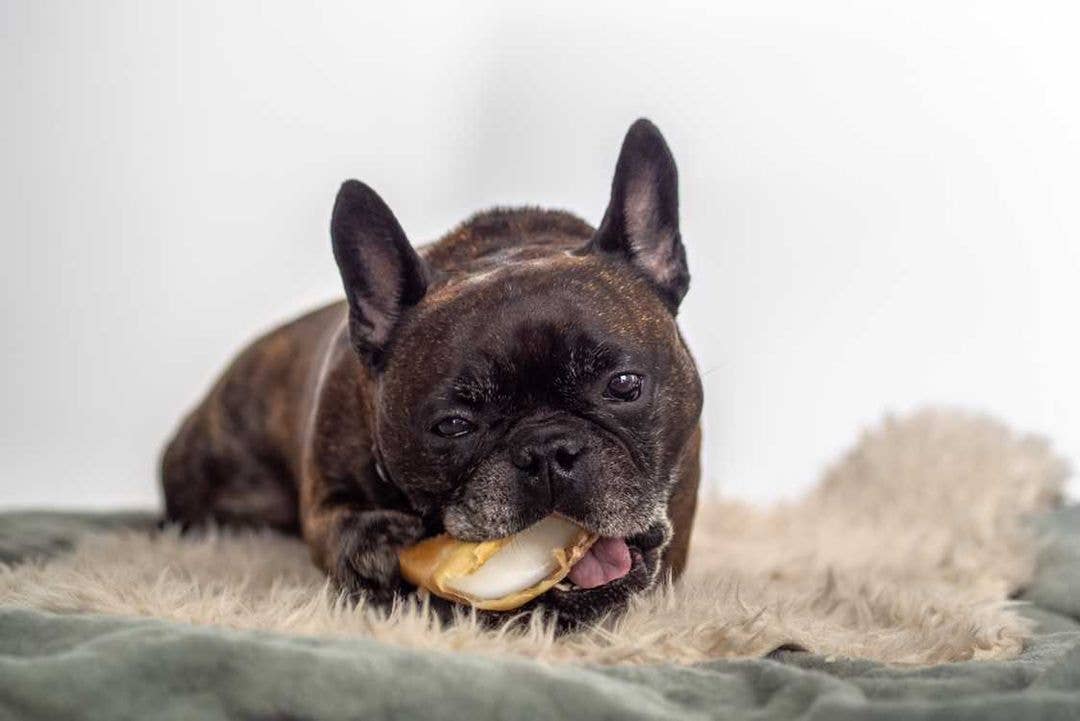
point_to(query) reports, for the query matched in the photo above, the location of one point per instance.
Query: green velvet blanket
(96, 667)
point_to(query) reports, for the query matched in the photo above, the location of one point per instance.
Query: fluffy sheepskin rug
(907, 552)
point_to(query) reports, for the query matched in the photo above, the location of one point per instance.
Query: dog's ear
(641, 223)
(382, 274)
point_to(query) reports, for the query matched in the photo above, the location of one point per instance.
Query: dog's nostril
(523, 458)
(565, 456)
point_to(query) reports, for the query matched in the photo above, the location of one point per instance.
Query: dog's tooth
(502, 574)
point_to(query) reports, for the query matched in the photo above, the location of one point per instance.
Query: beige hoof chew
(501, 574)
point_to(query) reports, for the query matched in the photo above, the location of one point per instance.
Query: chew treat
(501, 574)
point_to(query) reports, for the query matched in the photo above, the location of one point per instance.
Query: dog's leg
(210, 475)
(358, 548)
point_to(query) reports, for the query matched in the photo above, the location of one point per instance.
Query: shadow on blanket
(907, 552)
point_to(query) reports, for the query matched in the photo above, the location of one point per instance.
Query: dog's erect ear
(642, 219)
(383, 275)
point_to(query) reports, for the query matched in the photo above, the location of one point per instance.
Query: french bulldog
(522, 365)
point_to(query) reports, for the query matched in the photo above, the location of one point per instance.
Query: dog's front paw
(366, 564)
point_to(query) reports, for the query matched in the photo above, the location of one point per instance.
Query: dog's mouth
(608, 568)
(604, 575)
(614, 562)
(602, 581)
(607, 560)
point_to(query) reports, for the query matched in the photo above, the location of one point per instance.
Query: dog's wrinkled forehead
(526, 330)
(535, 362)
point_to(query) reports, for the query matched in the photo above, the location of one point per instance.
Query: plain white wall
(879, 201)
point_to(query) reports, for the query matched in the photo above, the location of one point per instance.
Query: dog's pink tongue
(607, 560)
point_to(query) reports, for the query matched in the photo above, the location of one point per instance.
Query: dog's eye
(454, 427)
(624, 387)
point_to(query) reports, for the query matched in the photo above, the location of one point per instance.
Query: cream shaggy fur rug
(906, 552)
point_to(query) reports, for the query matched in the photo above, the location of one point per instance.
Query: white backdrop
(879, 201)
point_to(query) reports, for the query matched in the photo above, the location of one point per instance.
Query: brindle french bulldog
(524, 364)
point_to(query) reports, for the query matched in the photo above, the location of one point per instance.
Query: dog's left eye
(454, 427)
(624, 387)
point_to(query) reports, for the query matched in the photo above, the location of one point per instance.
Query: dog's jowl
(523, 365)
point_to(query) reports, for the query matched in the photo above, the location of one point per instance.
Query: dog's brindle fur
(515, 321)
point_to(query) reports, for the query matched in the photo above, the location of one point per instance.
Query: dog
(524, 364)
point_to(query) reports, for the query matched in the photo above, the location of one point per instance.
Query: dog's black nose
(559, 452)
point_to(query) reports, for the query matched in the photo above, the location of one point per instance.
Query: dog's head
(552, 379)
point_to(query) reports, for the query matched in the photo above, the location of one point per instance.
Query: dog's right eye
(454, 427)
